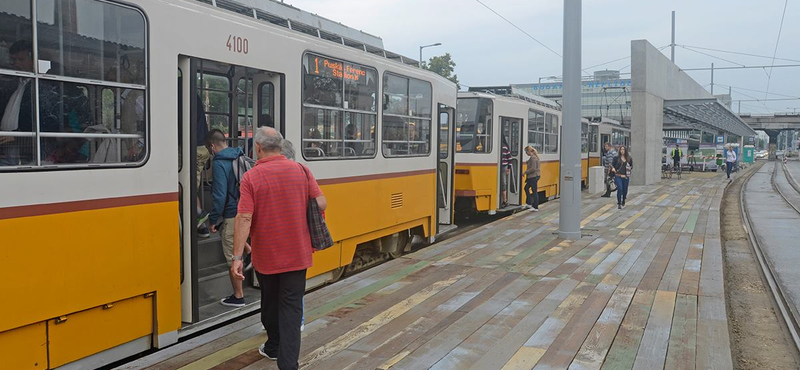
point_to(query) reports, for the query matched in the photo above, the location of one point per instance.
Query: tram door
(234, 100)
(444, 188)
(512, 134)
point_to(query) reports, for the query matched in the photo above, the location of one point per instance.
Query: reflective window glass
(17, 121)
(91, 39)
(405, 131)
(444, 134)
(360, 88)
(347, 128)
(75, 118)
(322, 81)
(474, 126)
(265, 113)
(16, 35)
(420, 98)
(395, 95)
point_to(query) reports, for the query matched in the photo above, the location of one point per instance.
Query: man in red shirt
(272, 212)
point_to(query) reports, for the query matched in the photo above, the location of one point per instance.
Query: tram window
(16, 35)
(92, 39)
(593, 131)
(395, 95)
(339, 109)
(419, 98)
(265, 98)
(551, 130)
(244, 104)
(406, 116)
(444, 134)
(536, 130)
(361, 88)
(584, 137)
(321, 83)
(16, 131)
(75, 125)
(474, 126)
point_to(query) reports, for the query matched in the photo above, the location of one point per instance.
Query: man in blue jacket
(226, 201)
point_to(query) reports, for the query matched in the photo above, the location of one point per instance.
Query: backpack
(241, 165)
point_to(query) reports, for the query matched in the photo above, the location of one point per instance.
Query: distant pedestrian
(532, 174)
(621, 167)
(505, 171)
(273, 212)
(730, 159)
(608, 159)
(676, 155)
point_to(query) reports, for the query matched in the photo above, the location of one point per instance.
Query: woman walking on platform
(730, 159)
(621, 167)
(532, 174)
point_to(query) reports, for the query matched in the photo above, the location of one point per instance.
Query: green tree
(444, 66)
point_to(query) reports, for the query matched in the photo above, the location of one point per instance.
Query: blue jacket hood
(230, 153)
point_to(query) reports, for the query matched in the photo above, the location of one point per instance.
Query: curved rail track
(788, 313)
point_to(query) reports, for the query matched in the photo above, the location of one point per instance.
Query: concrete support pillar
(647, 126)
(773, 143)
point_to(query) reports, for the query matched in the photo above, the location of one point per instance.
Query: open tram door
(511, 135)
(446, 169)
(235, 100)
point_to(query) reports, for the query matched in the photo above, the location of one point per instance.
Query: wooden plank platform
(643, 289)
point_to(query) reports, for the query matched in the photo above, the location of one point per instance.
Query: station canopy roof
(704, 114)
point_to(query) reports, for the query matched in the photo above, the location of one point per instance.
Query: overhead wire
(518, 28)
(713, 56)
(777, 42)
(737, 53)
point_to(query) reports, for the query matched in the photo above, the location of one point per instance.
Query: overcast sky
(489, 51)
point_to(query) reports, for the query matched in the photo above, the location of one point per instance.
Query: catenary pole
(673, 38)
(569, 224)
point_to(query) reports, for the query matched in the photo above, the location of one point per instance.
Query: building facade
(604, 95)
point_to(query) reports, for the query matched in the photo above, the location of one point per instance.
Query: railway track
(787, 311)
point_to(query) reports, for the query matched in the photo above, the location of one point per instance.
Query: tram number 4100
(238, 44)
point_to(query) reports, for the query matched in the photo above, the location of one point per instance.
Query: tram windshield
(474, 125)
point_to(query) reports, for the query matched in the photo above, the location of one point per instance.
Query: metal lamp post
(426, 46)
(569, 222)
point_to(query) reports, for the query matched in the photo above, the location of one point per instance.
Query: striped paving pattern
(643, 289)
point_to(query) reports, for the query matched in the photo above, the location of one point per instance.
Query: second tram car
(485, 123)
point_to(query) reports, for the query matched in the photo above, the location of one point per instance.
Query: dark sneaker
(262, 352)
(619, 206)
(606, 196)
(232, 301)
(203, 231)
(623, 203)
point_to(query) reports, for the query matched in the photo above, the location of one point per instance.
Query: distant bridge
(772, 125)
(777, 122)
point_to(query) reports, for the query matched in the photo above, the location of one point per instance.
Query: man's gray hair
(268, 139)
(287, 149)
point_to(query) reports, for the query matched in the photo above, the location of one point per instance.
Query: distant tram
(100, 172)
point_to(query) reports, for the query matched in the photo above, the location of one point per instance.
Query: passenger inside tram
(18, 108)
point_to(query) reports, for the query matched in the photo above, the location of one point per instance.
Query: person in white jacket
(730, 159)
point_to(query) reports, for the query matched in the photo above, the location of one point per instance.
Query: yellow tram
(484, 122)
(99, 172)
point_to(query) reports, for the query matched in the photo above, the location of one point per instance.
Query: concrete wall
(654, 78)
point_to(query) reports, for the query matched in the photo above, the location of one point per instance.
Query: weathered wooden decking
(642, 290)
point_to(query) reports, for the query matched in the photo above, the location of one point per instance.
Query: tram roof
(311, 24)
(704, 114)
(513, 92)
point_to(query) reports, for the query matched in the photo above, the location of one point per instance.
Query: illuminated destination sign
(326, 67)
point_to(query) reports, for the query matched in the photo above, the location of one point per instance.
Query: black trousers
(532, 191)
(281, 313)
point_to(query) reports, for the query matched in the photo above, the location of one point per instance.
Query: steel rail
(766, 270)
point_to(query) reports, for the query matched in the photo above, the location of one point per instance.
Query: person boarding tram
(272, 211)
